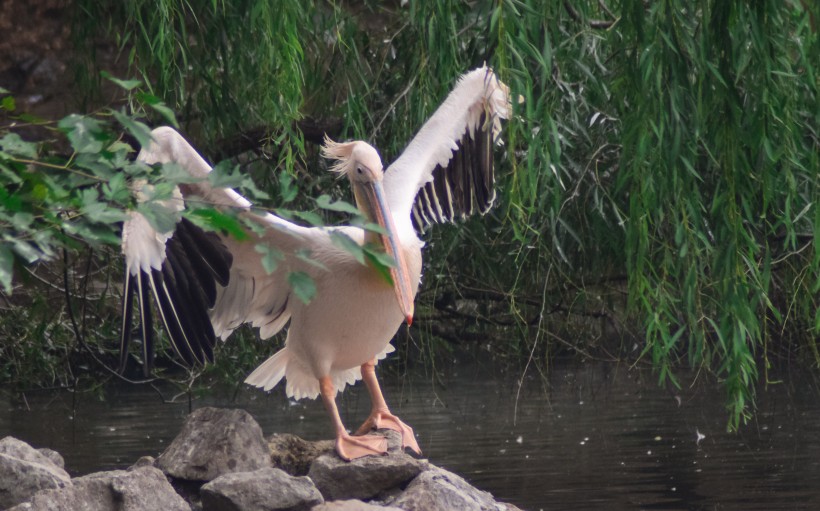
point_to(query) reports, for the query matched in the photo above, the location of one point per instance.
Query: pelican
(206, 284)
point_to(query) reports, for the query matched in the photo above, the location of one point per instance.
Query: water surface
(592, 436)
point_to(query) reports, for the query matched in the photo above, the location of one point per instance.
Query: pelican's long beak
(380, 213)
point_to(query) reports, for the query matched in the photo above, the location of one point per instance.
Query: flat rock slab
(362, 478)
(140, 489)
(293, 454)
(436, 489)
(213, 442)
(266, 489)
(24, 471)
(351, 505)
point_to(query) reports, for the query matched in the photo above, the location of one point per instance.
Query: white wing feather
(477, 92)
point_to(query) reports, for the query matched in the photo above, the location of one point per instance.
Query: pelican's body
(207, 284)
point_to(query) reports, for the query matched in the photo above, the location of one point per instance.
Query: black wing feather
(183, 290)
(465, 187)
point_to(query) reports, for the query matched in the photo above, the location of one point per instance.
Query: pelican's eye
(359, 170)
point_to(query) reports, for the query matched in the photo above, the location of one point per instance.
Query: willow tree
(661, 172)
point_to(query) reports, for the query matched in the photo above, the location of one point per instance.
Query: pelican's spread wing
(204, 284)
(446, 172)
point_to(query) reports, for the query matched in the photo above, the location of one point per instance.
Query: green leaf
(176, 174)
(225, 175)
(137, 129)
(162, 218)
(128, 85)
(309, 217)
(324, 202)
(302, 285)
(83, 133)
(6, 267)
(382, 263)
(161, 108)
(306, 256)
(271, 256)
(287, 191)
(346, 243)
(213, 219)
(8, 103)
(13, 144)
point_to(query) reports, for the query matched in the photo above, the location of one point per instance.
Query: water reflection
(597, 435)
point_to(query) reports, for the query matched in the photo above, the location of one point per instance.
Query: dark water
(593, 436)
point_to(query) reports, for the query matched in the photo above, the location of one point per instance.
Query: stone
(53, 456)
(140, 489)
(24, 471)
(293, 454)
(437, 489)
(351, 505)
(215, 441)
(266, 489)
(362, 478)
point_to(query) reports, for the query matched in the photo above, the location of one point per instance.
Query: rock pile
(221, 462)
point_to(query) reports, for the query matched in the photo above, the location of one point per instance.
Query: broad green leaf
(302, 285)
(13, 144)
(137, 129)
(162, 218)
(346, 243)
(382, 263)
(176, 174)
(225, 175)
(325, 202)
(82, 132)
(8, 103)
(217, 220)
(287, 190)
(271, 256)
(167, 113)
(128, 85)
(249, 188)
(306, 256)
(309, 217)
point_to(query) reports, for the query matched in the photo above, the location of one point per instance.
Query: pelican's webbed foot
(384, 419)
(351, 447)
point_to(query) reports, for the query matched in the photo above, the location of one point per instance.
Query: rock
(362, 478)
(24, 471)
(53, 456)
(266, 489)
(140, 489)
(351, 505)
(439, 490)
(293, 454)
(215, 441)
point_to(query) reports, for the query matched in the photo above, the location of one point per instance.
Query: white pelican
(207, 284)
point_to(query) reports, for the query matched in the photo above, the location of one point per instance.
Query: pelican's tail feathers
(267, 375)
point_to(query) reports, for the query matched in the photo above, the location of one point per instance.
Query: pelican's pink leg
(348, 447)
(380, 416)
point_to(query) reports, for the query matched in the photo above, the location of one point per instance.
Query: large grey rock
(144, 488)
(266, 489)
(351, 505)
(293, 454)
(439, 490)
(53, 456)
(362, 478)
(215, 441)
(24, 471)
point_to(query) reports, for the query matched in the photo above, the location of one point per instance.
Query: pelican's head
(361, 163)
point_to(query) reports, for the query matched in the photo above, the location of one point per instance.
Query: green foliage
(660, 174)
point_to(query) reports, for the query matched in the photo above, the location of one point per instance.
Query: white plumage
(207, 284)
